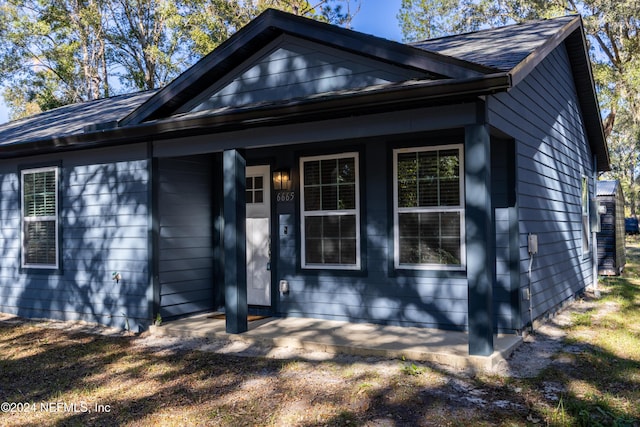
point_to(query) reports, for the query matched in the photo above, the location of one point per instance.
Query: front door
(258, 235)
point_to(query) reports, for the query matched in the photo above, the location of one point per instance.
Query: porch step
(360, 339)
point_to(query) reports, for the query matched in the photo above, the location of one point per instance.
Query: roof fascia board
(281, 41)
(589, 104)
(378, 48)
(522, 70)
(409, 96)
(266, 27)
(228, 51)
(573, 33)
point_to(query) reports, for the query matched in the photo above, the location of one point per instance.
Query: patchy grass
(602, 384)
(57, 377)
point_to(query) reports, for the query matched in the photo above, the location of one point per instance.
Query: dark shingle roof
(470, 65)
(70, 119)
(500, 48)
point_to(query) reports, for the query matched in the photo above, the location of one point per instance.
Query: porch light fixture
(281, 180)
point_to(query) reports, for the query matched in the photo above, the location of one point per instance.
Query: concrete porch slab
(361, 339)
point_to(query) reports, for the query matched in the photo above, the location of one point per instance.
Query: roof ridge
(501, 27)
(517, 42)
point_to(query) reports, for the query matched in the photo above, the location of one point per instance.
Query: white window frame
(26, 219)
(356, 212)
(397, 211)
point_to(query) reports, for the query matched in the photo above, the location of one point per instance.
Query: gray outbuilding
(611, 245)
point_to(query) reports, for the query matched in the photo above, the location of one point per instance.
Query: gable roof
(607, 188)
(455, 68)
(517, 49)
(272, 24)
(502, 48)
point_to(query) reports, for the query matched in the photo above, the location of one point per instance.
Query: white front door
(258, 235)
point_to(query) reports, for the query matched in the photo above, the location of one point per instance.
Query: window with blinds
(428, 208)
(330, 212)
(40, 218)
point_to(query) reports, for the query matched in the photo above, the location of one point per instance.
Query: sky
(376, 17)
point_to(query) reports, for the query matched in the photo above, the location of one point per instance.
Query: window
(255, 190)
(428, 194)
(586, 226)
(40, 218)
(330, 209)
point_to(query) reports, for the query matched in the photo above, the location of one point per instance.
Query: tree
(625, 160)
(53, 53)
(61, 51)
(142, 43)
(207, 23)
(612, 28)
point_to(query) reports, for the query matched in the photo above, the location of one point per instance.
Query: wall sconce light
(281, 180)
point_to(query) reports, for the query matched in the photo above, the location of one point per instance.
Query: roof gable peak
(271, 25)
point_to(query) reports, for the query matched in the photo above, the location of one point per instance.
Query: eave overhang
(573, 36)
(266, 28)
(392, 97)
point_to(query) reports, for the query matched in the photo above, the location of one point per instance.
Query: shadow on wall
(104, 230)
(552, 156)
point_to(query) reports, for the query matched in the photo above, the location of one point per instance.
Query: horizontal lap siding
(505, 288)
(427, 303)
(543, 116)
(299, 69)
(104, 226)
(378, 294)
(185, 264)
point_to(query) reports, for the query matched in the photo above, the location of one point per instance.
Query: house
(610, 236)
(303, 169)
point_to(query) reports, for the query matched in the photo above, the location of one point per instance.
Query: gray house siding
(293, 68)
(503, 139)
(185, 239)
(103, 214)
(506, 285)
(552, 155)
(376, 293)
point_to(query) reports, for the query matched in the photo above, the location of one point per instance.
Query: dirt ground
(400, 390)
(527, 360)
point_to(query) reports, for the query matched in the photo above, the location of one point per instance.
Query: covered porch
(449, 348)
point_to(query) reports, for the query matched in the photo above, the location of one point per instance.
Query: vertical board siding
(543, 115)
(104, 211)
(185, 265)
(611, 249)
(621, 255)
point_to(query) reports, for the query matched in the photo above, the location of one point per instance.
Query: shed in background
(611, 252)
